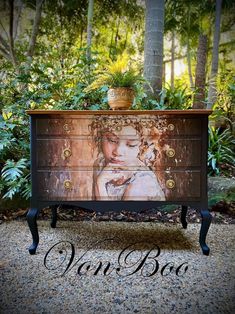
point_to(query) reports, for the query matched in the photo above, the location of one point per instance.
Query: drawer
(63, 126)
(75, 126)
(146, 185)
(81, 153)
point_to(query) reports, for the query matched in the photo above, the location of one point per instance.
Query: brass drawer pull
(171, 127)
(67, 153)
(68, 185)
(170, 184)
(170, 152)
(66, 127)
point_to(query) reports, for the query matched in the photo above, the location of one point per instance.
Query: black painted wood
(206, 221)
(184, 210)
(32, 223)
(53, 216)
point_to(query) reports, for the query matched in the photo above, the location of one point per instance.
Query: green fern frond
(14, 170)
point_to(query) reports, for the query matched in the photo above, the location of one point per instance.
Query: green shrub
(177, 98)
(16, 177)
(221, 149)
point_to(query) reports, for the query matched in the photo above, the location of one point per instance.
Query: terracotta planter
(120, 98)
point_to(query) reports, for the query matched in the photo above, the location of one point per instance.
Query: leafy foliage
(224, 108)
(16, 177)
(170, 98)
(177, 98)
(60, 73)
(221, 149)
(118, 73)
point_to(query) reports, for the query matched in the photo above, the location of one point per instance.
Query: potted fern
(121, 79)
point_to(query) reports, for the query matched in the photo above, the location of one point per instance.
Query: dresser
(116, 160)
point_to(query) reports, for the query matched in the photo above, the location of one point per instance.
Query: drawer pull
(67, 153)
(170, 152)
(68, 185)
(171, 127)
(170, 184)
(66, 127)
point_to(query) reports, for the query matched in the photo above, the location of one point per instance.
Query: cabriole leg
(206, 221)
(53, 216)
(184, 210)
(32, 223)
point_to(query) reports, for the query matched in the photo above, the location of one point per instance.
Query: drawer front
(81, 153)
(73, 126)
(144, 185)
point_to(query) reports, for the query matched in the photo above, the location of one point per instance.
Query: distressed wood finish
(51, 185)
(63, 153)
(113, 159)
(70, 113)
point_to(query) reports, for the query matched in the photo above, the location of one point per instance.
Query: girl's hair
(144, 125)
(104, 124)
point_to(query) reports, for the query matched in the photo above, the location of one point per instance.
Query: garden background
(51, 51)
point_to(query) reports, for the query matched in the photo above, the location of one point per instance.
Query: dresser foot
(206, 221)
(32, 223)
(53, 216)
(184, 210)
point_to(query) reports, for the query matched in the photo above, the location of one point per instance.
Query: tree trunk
(189, 64)
(7, 46)
(188, 47)
(153, 45)
(117, 33)
(212, 93)
(34, 34)
(200, 79)
(173, 60)
(81, 37)
(164, 74)
(89, 27)
(126, 38)
(111, 45)
(18, 10)
(11, 35)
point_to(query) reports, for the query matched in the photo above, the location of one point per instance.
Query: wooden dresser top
(121, 112)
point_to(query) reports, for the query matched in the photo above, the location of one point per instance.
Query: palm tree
(188, 47)
(200, 77)
(172, 59)
(153, 44)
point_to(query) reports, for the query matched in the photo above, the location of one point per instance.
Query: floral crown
(111, 123)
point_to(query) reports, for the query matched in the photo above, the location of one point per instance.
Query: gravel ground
(140, 279)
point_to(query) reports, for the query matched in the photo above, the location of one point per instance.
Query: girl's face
(122, 147)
